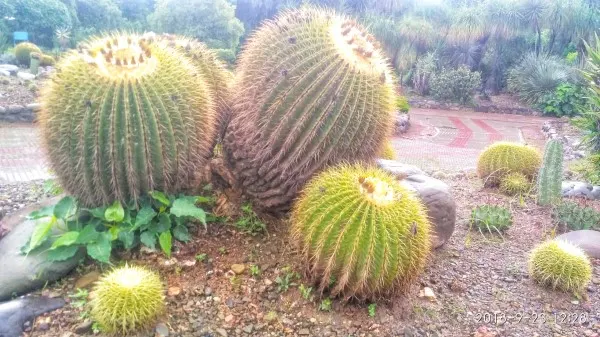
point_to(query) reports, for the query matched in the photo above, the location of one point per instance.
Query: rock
(229, 318)
(588, 240)
(87, 279)
(173, 291)
(427, 293)
(29, 272)
(398, 169)
(84, 327)
(238, 268)
(10, 68)
(34, 107)
(162, 330)
(248, 328)
(402, 123)
(304, 332)
(4, 73)
(14, 109)
(222, 332)
(15, 313)
(207, 291)
(580, 189)
(25, 76)
(440, 204)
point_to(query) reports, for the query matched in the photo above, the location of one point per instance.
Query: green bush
(455, 84)
(211, 21)
(537, 76)
(575, 217)
(426, 66)
(402, 104)
(588, 169)
(566, 100)
(101, 15)
(489, 218)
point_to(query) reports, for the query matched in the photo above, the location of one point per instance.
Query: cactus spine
(125, 116)
(550, 176)
(312, 89)
(360, 227)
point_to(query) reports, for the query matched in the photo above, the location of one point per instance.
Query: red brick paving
(21, 156)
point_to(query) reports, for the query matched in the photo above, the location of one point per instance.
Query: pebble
(248, 328)
(207, 291)
(238, 269)
(162, 330)
(222, 332)
(229, 318)
(304, 332)
(87, 279)
(84, 327)
(174, 291)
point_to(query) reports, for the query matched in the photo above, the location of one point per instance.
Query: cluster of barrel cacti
(503, 158)
(23, 52)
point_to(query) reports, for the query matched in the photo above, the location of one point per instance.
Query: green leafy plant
(325, 304)
(575, 217)
(502, 158)
(372, 309)
(310, 119)
(566, 100)
(305, 291)
(80, 298)
(52, 187)
(249, 222)
(254, 270)
(127, 299)
(361, 232)
(201, 257)
(490, 219)
(549, 180)
(588, 168)
(515, 183)
(560, 265)
(284, 283)
(159, 219)
(424, 69)
(402, 104)
(455, 84)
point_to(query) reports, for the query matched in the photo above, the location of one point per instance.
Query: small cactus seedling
(491, 219)
(127, 299)
(550, 175)
(502, 158)
(560, 265)
(362, 233)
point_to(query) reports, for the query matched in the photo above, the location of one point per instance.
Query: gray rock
(15, 313)
(4, 73)
(29, 272)
(162, 330)
(14, 109)
(580, 189)
(34, 107)
(588, 240)
(440, 204)
(25, 76)
(402, 123)
(2, 110)
(84, 327)
(398, 169)
(11, 68)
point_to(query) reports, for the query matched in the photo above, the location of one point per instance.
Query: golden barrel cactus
(359, 228)
(23, 52)
(126, 115)
(502, 158)
(312, 89)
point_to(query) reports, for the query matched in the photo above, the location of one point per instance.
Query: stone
(402, 123)
(162, 330)
(222, 332)
(173, 291)
(238, 268)
(588, 240)
(3, 110)
(11, 68)
(427, 293)
(25, 76)
(578, 189)
(4, 73)
(34, 107)
(304, 332)
(33, 271)
(440, 205)
(14, 109)
(87, 279)
(398, 169)
(15, 313)
(84, 327)
(248, 328)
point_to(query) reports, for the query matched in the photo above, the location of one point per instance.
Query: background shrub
(566, 100)
(98, 16)
(426, 66)
(455, 84)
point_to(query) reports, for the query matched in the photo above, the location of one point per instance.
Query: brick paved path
(437, 139)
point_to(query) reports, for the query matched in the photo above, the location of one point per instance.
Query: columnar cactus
(312, 89)
(359, 228)
(127, 299)
(550, 175)
(502, 158)
(124, 116)
(23, 52)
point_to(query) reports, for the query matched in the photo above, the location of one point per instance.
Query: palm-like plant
(589, 122)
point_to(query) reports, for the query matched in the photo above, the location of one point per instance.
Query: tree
(40, 18)
(101, 15)
(136, 10)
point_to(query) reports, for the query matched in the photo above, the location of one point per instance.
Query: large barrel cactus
(502, 158)
(126, 115)
(362, 233)
(312, 89)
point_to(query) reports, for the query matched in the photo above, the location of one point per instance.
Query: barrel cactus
(550, 175)
(124, 116)
(47, 60)
(387, 151)
(502, 158)
(23, 51)
(515, 183)
(127, 299)
(312, 89)
(360, 228)
(560, 265)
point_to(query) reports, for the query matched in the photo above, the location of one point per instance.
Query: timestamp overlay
(524, 317)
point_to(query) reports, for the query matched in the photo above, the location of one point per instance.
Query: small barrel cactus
(388, 152)
(550, 176)
(23, 52)
(127, 299)
(515, 183)
(502, 158)
(359, 227)
(491, 219)
(312, 89)
(47, 60)
(560, 265)
(125, 116)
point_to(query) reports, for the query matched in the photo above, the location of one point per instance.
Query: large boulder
(588, 240)
(578, 189)
(15, 313)
(30, 272)
(435, 195)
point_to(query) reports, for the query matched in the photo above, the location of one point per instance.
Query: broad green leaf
(65, 208)
(40, 233)
(88, 234)
(144, 216)
(127, 237)
(160, 197)
(165, 241)
(181, 233)
(114, 213)
(164, 223)
(62, 253)
(186, 207)
(100, 250)
(98, 212)
(41, 213)
(67, 239)
(114, 232)
(148, 239)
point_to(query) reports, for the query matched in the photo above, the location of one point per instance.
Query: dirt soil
(481, 287)
(17, 91)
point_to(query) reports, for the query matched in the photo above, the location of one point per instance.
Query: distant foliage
(455, 84)
(537, 76)
(135, 10)
(575, 217)
(211, 21)
(566, 100)
(101, 15)
(550, 176)
(425, 68)
(588, 168)
(491, 219)
(402, 104)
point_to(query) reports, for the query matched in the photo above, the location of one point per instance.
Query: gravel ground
(481, 287)
(17, 91)
(14, 196)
